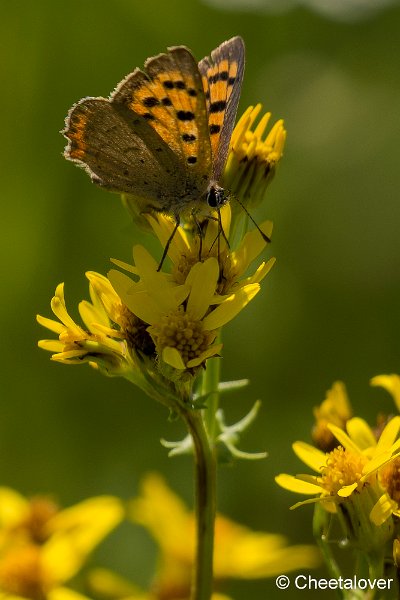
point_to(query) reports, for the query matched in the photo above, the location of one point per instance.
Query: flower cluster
(357, 479)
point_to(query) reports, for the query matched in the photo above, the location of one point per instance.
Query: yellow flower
(348, 467)
(186, 246)
(350, 475)
(252, 159)
(113, 340)
(42, 547)
(239, 552)
(183, 320)
(336, 410)
(98, 344)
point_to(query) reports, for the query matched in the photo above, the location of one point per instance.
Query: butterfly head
(216, 196)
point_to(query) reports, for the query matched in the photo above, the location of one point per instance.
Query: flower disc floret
(343, 468)
(179, 330)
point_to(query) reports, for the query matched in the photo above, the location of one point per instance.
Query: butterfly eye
(215, 197)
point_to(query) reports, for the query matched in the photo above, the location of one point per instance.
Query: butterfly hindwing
(121, 151)
(222, 76)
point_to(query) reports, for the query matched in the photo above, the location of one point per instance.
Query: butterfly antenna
(263, 235)
(167, 245)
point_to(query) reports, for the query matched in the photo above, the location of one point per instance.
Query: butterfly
(163, 134)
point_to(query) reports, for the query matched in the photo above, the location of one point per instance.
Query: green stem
(210, 382)
(205, 487)
(320, 527)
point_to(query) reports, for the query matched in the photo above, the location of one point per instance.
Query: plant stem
(210, 382)
(205, 491)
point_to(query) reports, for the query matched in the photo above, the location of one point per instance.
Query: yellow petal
(291, 483)
(311, 456)
(164, 514)
(382, 510)
(361, 433)
(125, 266)
(347, 490)
(203, 287)
(246, 554)
(391, 383)
(343, 439)
(76, 531)
(50, 324)
(172, 357)
(232, 306)
(388, 435)
(14, 508)
(252, 245)
(51, 345)
(139, 303)
(62, 593)
(59, 309)
(211, 351)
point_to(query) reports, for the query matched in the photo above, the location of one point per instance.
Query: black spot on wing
(215, 129)
(185, 115)
(150, 102)
(221, 76)
(217, 106)
(192, 160)
(189, 137)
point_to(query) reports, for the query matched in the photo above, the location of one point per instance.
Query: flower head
(253, 158)
(335, 410)
(349, 477)
(42, 547)
(183, 314)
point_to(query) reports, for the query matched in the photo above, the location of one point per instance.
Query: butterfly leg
(167, 245)
(201, 235)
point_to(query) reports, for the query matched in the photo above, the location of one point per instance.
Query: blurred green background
(329, 310)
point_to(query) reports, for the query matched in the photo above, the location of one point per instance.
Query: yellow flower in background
(239, 552)
(346, 468)
(335, 410)
(252, 158)
(42, 547)
(350, 475)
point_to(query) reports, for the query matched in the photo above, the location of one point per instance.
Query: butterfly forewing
(222, 76)
(170, 96)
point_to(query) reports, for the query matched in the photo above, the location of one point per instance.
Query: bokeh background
(328, 311)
